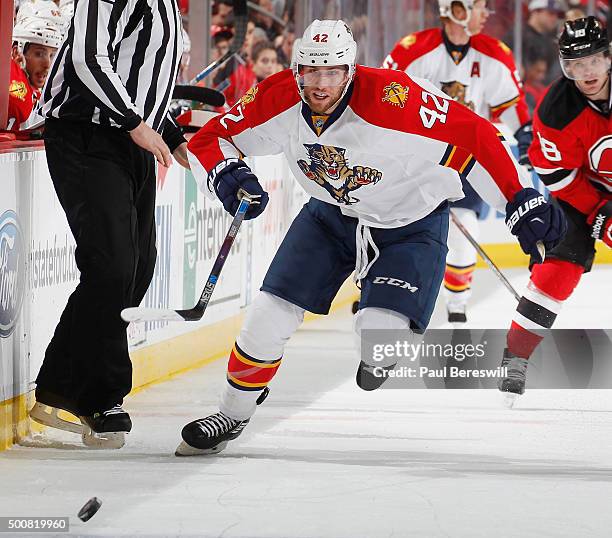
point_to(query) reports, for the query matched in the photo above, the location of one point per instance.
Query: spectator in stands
(247, 44)
(534, 87)
(284, 45)
(266, 22)
(258, 36)
(222, 10)
(265, 60)
(540, 36)
(36, 37)
(221, 37)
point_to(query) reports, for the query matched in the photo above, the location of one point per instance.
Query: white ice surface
(321, 458)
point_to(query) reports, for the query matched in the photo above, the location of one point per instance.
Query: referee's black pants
(106, 185)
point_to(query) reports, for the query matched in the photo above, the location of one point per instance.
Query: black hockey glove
(531, 219)
(231, 176)
(524, 136)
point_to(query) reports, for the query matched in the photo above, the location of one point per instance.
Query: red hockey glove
(601, 222)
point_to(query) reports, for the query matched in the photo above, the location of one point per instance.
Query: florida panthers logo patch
(249, 96)
(18, 89)
(329, 168)
(396, 94)
(458, 92)
(408, 41)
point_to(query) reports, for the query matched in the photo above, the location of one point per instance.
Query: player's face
(597, 88)
(38, 60)
(266, 64)
(480, 14)
(591, 74)
(323, 86)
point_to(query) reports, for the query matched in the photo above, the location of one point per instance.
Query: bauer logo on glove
(523, 209)
(532, 220)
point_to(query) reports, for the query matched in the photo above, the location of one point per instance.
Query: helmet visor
(322, 77)
(587, 68)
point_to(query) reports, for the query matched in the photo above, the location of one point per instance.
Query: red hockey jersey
(22, 97)
(572, 147)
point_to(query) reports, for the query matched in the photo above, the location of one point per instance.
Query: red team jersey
(572, 147)
(392, 151)
(481, 75)
(22, 97)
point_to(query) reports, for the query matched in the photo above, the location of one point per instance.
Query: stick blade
(138, 314)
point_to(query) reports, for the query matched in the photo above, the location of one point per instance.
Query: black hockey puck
(89, 509)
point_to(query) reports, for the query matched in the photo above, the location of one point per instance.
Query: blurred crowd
(539, 46)
(539, 64)
(267, 48)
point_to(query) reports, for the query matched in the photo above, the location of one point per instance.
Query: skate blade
(187, 450)
(49, 416)
(105, 440)
(510, 399)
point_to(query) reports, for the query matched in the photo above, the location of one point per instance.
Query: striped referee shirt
(118, 64)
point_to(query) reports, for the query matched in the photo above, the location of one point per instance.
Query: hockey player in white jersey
(477, 71)
(373, 147)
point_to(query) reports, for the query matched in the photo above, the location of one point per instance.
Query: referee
(106, 108)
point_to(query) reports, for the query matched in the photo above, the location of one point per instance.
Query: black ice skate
(367, 378)
(211, 434)
(513, 384)
(106, 429)
(457, 314)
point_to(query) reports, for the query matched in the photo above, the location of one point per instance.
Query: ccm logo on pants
(395, 282)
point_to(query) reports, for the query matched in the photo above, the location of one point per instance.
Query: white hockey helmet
(446, 10)
(325, 43)
(40, 22)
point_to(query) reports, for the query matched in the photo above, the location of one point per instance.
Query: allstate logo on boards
(12, 272)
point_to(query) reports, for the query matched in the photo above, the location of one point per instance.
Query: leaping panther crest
(329, 168)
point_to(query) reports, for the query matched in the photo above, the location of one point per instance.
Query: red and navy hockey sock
(249, 373)
(551, 283)
(458, 279)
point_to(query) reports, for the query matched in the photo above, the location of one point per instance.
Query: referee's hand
(152, 141)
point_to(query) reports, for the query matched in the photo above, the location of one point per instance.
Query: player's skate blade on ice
(46, 411)
(513, 384)
(211, 434)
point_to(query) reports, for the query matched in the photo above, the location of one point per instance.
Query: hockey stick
(206, 96)
(256, 7)
(486, 258)
(240, 24)
(194, 314)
